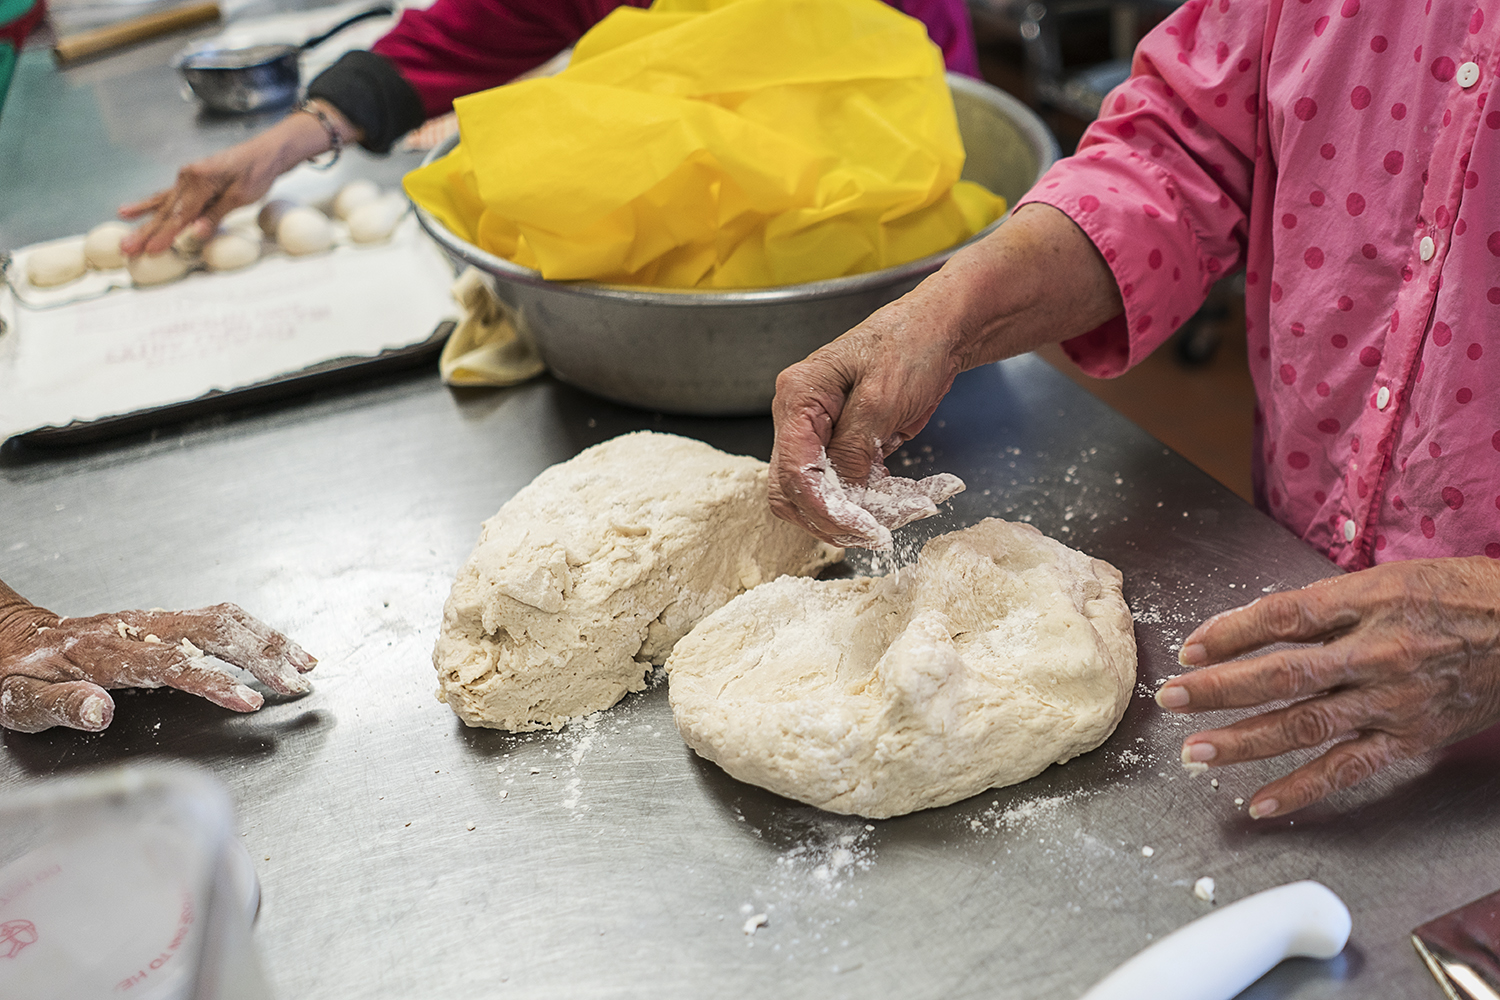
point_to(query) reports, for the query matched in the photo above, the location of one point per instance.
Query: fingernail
(1263, 808)
(1172, 696)
(1192, 654)
(1197, 753)
(249, 696)
(93, 712)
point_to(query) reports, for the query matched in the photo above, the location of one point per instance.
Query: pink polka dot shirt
(1340, 151)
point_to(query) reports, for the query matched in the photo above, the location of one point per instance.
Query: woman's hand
(1034, 280)
(56, 671)
(859, 398)
(1408, 660)
(210, 188)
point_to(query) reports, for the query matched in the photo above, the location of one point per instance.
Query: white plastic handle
(1217, 956)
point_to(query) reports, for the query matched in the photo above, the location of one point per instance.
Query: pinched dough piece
(304, 230)
(376, 220)
(271, 213)
(352, 195)
(101, 248)
(157, 268)
(58, 264)
(591, 574)
(1002, 651)
(232, 250)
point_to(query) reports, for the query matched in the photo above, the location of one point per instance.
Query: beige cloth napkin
(485, 348)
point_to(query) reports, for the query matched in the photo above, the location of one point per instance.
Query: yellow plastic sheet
(717, 144)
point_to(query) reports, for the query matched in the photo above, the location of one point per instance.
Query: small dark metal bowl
(235, 81)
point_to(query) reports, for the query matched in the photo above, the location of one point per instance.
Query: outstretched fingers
(1314, 614)
(228, 632)
(1306, 724)
(1280, 676)
(1344, 765)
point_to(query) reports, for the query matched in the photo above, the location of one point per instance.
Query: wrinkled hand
(55, 672)
(1408, 660)
(1034, 280)
(210, 188)
(206, 191)
(860, 398)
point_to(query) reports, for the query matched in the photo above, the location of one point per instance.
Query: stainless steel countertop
(618, 863)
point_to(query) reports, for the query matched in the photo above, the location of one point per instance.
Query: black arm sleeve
(372, 94)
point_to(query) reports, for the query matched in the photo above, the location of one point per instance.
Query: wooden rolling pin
(85, 44)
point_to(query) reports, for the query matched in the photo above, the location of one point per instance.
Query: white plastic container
(127, 882)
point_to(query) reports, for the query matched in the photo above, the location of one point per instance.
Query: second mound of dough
(590, 574)
(1001, 652)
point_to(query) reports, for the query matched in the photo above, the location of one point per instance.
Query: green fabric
(7, 68)
(11, 10)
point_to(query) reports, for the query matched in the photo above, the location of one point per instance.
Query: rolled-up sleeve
(1161, 182)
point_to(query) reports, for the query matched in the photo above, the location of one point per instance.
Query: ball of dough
(376, 221)
(535, 634)
(244, 217)
(304, 230)
(189, 243)
(230, 251)
(271, 215)
(101, 249)
(57, 264)
(1000, 653)
(354, 195)
(157, 268)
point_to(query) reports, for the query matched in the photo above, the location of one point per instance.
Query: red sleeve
(458, 47)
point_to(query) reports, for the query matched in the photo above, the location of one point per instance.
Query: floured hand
(1036, 279)
(57, 671)
(1408, 659)
(867, 513)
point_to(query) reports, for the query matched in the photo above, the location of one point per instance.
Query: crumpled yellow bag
(717, 144)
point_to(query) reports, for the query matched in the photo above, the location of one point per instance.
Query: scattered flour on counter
(1022, 814)
(827, 860)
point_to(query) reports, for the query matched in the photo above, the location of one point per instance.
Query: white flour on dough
(1001, 652)
(590, 574)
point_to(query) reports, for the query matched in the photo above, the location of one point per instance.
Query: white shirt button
(1426, 248)
(1349, 530)
(1468, 75)
(1383, 398)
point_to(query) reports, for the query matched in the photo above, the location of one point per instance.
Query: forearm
(1036, 280)
(301, 136)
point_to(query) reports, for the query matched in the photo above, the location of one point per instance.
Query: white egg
(304, 230)
(57, 264)
(230, 251)
(157, 268)
(376, 221)
(101, 248)
(353, 196)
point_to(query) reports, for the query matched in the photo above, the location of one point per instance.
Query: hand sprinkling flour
(869, 513)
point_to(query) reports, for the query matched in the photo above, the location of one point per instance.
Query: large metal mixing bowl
(718, 353)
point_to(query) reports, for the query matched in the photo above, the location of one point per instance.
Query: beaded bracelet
(334, 139)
